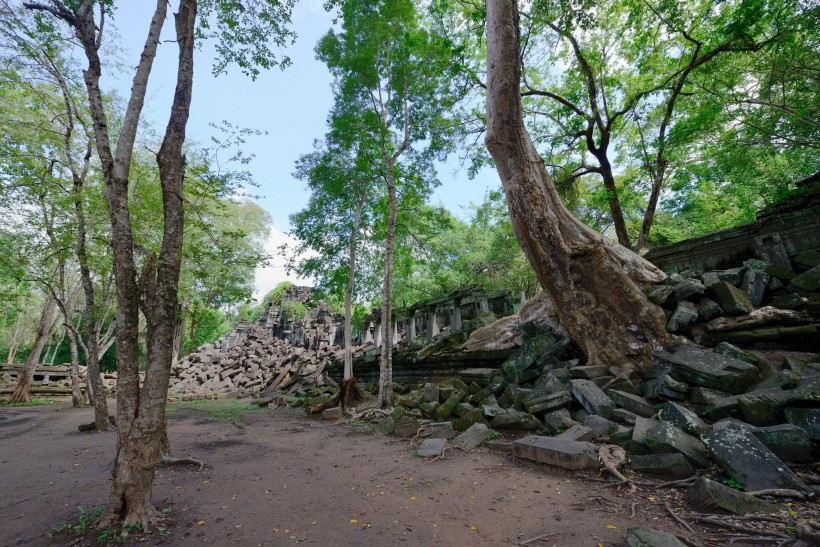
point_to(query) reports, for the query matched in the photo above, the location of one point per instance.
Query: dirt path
(287, 479)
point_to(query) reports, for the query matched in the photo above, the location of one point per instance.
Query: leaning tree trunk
(386, 362)
(76, 384)
(593, 281)
(24, 377)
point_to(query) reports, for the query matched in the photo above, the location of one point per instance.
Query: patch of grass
(493, 435)
(33, 402)
(84, 522)
(732, 483)
(224, 410)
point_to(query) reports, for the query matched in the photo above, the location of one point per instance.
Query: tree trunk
(614, 203)
(56, 348)
(26, 374)
(386, 362)
(13, 339)
(141, 432)
(651, 207)
(593, 281)
(179, 335)
(351, 279)
(76, 386)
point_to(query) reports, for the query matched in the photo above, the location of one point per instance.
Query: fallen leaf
(201, 522)
(473, 527)
(611, 526)
(353, 521)
(412, 497)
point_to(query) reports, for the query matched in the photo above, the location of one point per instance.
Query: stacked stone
(766, 303)
(696, 408)
(257, 362)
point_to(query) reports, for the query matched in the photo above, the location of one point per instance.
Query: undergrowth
(224, 410)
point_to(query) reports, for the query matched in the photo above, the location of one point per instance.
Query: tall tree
(394, 87)
(594, 282)
(141, 409)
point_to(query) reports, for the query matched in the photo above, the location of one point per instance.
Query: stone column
(433, 324)
(455, 321)
(483, 306)
(411, 328)
(395, 332)
(377, 334)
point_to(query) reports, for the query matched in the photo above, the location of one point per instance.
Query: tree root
(676, 484)
(778, 493)
(168, 461)
(611, 457)
(370, 414)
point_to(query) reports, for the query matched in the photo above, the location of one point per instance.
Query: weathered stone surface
(432, 448)
(385, 426)
(475, 416)
(788, 442)
(588, 371)
(807, 259)
(591, 397)
(711, 495)
(754, 285)
(683, 316)
(687, 289)
(733, 300)
(747, 460)
(431, 393)
(532, 350)
(334, 413)
(806, 418)
(633, 403)
(705, 396)
(495, 387)
(705, 368)
(788, 301)
(600, 425)
(473, 437)
(577, 432)
(441, 430)
(638, 444)
(709, 309)
(665, 387)
(623, 416)
(807, 281)
(481, 376)
(673, 466)
(537, 401)
(764, 408)
(406, 427)
(683, 418)
(727, 407)
(558, 419)
(429, 409)
(648, 537)
(659, 294)
(665, 438)
(516, 420)
(559, 452)
(447, 407)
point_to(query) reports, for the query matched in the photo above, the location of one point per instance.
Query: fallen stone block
(683, 418)
(683, 317)
(632, 403)
(754, 285)
(558, 419)
(600, 425)
(334, 413)
(591, 397)
(431, 393)
(441, 430)
(733, 300)
(705, 368)
(385, 426)
(807, 281)
(659, 294)
(432, 448)
(516, 420)
(531, 351)
(406, 427)
(638, 442)
(747, 460)
(577, 432)
(665, 387)
(711, 495)
(475, 416)
(480, 376)
(588, 371)
(788, 442)
(473, 437)
(665, 438)
(672, 466)
(447, 407)
(558, 452)
(648, 537)
(806, 418)
(623, 416)
(709, 309)
(537, 402)
(764, 408)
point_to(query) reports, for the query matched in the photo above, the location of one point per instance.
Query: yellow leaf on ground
(611, 526)
(412, 497)
(201, 522)
(473, 527)
(353, 521)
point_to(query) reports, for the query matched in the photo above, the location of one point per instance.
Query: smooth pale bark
(386, 361)
(351, 279)
(24, 377)
(593, 281)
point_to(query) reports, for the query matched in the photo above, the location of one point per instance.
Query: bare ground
(279, 478)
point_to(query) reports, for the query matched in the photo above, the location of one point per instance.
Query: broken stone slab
(588, 371)
(764, 408)
(638, 442)
(665, 387)
(733, 300)
(705, 368)
(537, 402)
(637, 536)
(447, 407)
(706, 396)
(807, 259)
(385, 426)
(441, 430)
(683, 317)
(632, 403)
(480, 376)
(429, 409)
(747, 460)
(711, 495)
(531, 351)
(334, 413)
(807, 281)
(623, 416)
(473, 437)
(788, 442)
(674, 466)
(432, 448)
(577, 432)
(764, 368)
(806, 418)
(754, 284)
(406, 427)
(591, 397)
(558, 452)
(709, 309)
(475, 416)
(431, 393)
(600, 425)
(683, 418)
(558, 419)
(687, 289)
(659, 294)
(495, 387)
(665, 438)
(516, 420)
(788, 301)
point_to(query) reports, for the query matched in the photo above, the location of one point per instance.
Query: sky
(291, 105)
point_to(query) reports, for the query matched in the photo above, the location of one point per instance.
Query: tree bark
(351, 279)
(26, 374)
(615, 209)
(386, 361)
(76, 386)
(593, 281)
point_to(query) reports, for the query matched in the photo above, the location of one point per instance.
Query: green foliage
(224, 410)
(84, 523)
(32, 402)
(275, 295)
(294, 311)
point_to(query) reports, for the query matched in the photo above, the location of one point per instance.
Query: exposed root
(778, 493)
(370, 414)
(680, 521)
(611, 457)
(683, 483)
(171, 460)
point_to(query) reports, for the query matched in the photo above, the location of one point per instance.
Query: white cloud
(269, 276)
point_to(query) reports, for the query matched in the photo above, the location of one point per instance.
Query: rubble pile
(257, 363)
